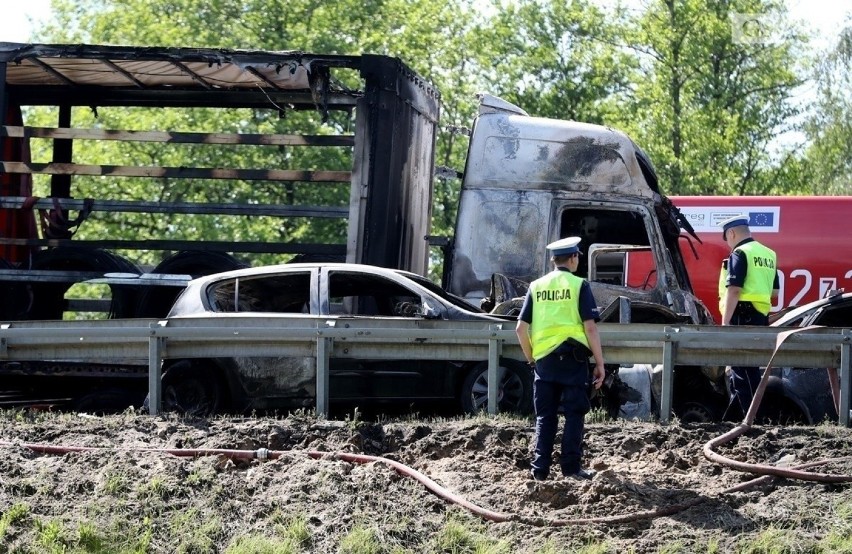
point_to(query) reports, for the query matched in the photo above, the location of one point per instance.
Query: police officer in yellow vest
(557, 331)
(751, 282)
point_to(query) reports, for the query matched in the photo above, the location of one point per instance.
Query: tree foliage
(829, 129)
(713, 97)
(556, 59)
(687, 79)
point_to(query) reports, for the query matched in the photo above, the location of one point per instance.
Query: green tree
(828, 157)
(715, 93)
(556, 59)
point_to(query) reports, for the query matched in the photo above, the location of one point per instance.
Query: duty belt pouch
(575, 348)
(745, 308)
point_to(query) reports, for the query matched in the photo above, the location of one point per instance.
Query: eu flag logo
(761, 219)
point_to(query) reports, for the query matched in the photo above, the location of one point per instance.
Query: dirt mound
(133, 489)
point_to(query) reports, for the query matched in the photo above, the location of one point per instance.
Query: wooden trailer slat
(223, 208)
(178, 137)
(177, 172)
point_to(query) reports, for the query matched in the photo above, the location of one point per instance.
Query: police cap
(564, 247)
(731, 222)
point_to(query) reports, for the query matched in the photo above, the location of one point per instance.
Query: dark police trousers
(560, 380)
(744, 380)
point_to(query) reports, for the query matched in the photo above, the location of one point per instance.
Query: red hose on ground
(438, 490)
(742, 428)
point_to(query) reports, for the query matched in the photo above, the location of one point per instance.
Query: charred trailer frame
(385, 113)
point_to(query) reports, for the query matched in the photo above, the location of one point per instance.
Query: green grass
(16, 514)
(461, 534)
(188, 530)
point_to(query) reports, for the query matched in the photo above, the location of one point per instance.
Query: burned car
(805, 394)
(332, 290)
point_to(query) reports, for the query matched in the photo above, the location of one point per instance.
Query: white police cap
(735, 221)
(563, 247)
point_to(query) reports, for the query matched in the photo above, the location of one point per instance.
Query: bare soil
(207, 503)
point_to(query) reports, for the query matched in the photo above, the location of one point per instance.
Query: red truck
(810, 234)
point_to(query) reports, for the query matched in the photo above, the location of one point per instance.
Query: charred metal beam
(177, 172)
(195, 76)
(28, 95)
(49, 69)
(123, 72)
(253, 70)
(206, 208)
(253, 139)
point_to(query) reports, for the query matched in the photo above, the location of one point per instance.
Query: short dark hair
(562, 258)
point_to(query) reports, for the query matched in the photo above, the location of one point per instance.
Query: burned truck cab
(529, 181)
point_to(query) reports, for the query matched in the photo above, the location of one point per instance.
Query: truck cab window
(615, 245)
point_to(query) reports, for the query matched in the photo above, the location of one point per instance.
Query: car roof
(287, 268)
(804, 309)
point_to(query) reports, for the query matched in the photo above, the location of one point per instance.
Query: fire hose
(767, 472)
(742, 428)
(430, 484)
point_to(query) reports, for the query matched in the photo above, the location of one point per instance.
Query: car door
(350, 294)
(271, 382)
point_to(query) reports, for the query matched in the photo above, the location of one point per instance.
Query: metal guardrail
(151, 341)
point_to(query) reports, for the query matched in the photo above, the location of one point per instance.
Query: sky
(825, 17)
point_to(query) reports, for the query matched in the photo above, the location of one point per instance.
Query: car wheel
(191, 390)
(695, 412)
(779, 410)
(514, 389)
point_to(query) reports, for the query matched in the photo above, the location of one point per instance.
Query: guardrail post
(668, 374)
(625, 311)
(845, 375)
(323, 353)
(4, 344)
(494, 347)
(156, 348)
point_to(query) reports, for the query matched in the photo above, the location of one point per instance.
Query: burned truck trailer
(124, 161)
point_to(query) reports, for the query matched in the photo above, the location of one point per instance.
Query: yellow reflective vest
(556, 312)
(760, 277)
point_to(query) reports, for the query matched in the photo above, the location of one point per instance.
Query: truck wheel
(48, 299)
(514, 390)
(191, 390)
(156, 301)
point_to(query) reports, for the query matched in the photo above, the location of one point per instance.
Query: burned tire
(514, 390)
(48, 299)
(14, 297)
(192, 389)
(156, 301)
(695, 400)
